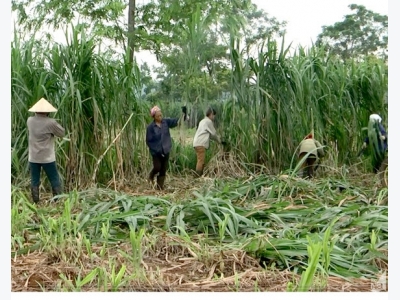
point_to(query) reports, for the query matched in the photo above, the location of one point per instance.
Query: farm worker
(311, 148)
(158, 139)
(201, 142)
(42, 130)
(378, 137)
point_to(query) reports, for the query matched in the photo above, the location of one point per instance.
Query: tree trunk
(131, 29)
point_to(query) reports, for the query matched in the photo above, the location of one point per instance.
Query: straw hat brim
(43, 106)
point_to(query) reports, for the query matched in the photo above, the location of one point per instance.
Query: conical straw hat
(43, 106)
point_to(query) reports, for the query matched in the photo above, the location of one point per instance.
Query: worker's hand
(185, 117)
(382, 137)
(364, 145)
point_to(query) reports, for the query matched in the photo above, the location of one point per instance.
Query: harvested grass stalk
(225, 164)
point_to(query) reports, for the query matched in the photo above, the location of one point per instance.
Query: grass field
(258, 233)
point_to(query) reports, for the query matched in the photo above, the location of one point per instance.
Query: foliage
(278, 99)
(263, 120)
(89, 92)
(99, 17)
(188, 37)
(361, 33)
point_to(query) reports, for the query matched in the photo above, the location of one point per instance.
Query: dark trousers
(377, 161)
(309, 165)
(51, 172)
(160, 165)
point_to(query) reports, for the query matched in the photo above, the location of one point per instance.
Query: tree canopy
(361, 33)
(192, 38)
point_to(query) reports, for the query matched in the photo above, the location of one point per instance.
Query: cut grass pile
(249, 234)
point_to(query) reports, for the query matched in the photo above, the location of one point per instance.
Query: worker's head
(156, 114)
(42, 114)
(210, 113)
(375, 118)
(42, 107)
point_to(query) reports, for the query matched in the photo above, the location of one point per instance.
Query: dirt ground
(171, 267)
(169, 272)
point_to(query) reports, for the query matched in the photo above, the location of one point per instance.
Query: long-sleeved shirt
(42, 130)
(382, 145)
(158, 139)
(205, 132)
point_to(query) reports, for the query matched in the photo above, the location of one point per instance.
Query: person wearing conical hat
(42, 130)
(311, 151)
(377, 138)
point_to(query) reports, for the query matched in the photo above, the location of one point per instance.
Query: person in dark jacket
(42, 131)
(158, 139)
(377, 138)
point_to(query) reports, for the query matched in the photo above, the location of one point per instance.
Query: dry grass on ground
(170, 264)
(172, 267)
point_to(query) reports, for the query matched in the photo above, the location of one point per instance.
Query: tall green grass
(276, 99)
(94, 97)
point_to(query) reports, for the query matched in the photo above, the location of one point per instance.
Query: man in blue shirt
(158, 139)
(377, 137)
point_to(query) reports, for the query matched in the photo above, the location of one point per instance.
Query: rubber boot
(35, 194)
(310, 172)
(304, 174)
(160, 182)
(57, 191)
(150, 179)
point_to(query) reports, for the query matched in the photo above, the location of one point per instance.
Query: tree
(191, 38)
(103, 18)
(131, 28)
(153, 26)
(360, 34)
(260, 26)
